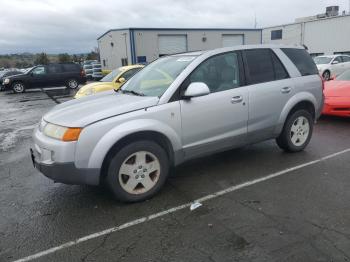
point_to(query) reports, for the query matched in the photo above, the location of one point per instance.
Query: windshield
(344, 76)
(111, 75)
(27, 70)
(155, 78)
(322, 60)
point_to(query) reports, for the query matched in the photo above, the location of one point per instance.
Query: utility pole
(255, 22)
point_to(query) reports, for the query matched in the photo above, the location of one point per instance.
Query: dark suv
(51, 75)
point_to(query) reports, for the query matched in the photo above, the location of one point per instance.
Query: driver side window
(338, 59)
(128, 74)
(220, 72)
(40, 70)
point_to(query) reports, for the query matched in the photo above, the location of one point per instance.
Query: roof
(309, 21)
(178, 29)
(124, 68)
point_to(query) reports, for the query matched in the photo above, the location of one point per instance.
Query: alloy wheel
(139, 173)
(299, 132)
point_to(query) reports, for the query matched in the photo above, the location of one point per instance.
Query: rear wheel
(297, 131)
(18, 87)
(72, 84)
(138, 171)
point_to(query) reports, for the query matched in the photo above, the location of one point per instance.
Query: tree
(64, 58)
(41, 59)
(93, 55)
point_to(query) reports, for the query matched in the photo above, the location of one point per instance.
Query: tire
(129, 176)
(297, 131)
(72, 83)
(326, 75)
(18, 87)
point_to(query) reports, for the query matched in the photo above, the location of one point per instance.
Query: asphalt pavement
(273, 206)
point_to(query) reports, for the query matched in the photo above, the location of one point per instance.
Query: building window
(124, 61)
(342, 53)
(141, 59)
(316, 54)
(276, 34)
(104, 62)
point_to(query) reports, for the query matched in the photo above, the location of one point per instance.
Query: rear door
(269, 90)
(219, 120)
(54, 74)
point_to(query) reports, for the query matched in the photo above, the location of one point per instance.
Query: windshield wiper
(131, 92)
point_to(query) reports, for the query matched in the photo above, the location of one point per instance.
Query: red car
(337, 96)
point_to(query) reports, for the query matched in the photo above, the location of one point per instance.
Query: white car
(332, 65)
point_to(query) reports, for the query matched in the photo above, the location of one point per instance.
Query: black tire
(284, 141)
(326, 75)
(113, 179)
(18, 87)
(72, 83)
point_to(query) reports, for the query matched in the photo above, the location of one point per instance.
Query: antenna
(255, 22)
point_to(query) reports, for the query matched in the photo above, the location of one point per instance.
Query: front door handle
(286, 90)
(236, 99)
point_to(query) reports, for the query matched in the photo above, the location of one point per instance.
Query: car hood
(95, 85)
(337, 89)
(84, 111)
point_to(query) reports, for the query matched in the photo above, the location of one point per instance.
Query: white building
(143, 45)
(326, 33)
(321, 35)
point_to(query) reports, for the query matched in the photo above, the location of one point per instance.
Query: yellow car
(111, 81)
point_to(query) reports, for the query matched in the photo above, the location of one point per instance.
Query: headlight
(6, 81)
(90, 91)
(62, 133)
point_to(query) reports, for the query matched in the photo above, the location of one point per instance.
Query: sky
(72, 26)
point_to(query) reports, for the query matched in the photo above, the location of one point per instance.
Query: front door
(38, 77)
(216, 121)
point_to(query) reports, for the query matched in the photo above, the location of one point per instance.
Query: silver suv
(177, 108)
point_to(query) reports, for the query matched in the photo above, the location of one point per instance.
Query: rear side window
(54, 69)
(70, 67)
(280, 71)
(260, 67)
(346, 58)
(302, 60)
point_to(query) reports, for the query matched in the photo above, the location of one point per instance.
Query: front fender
(119, 132)
(292, 102)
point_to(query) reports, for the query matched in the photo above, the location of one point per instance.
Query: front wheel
(326, 75)
(297, 131)
(138, 171)
(18, 87)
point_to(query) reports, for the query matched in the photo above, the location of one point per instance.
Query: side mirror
(335, 62)
(121, 80)
(31, 74)
(196, 89)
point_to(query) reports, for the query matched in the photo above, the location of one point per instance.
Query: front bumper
(55, 160)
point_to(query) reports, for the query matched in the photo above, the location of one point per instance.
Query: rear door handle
(286, 90)
(236, 99)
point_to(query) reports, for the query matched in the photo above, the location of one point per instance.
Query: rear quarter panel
(307, 88)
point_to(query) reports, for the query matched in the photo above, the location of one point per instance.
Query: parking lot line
(177, 208)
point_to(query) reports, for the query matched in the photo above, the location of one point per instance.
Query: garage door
(172, 44)
(232, 40)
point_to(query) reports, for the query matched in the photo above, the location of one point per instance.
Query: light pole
(126, 47)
